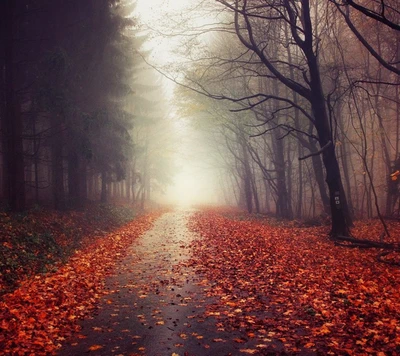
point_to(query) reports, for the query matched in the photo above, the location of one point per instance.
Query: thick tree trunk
(340, 215)
(319, 177)
(299, 210)
(341, 220)
(283, 203)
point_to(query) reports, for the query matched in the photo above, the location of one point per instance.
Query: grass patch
(39, 240)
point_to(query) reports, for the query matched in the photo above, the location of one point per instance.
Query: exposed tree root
(351, 242)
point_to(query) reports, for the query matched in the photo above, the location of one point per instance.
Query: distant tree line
(76, 105)
(305, 95)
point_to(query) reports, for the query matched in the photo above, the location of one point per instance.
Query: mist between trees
(296, 101)
(82, 115)
(302, 98)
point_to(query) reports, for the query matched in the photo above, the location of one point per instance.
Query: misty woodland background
(83, 117)
(286, 112)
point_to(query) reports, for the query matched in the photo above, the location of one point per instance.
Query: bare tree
(250, 21)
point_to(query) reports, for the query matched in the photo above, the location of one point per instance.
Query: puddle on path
(154, 305)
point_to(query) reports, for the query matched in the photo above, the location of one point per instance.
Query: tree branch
(381, 17)
(364, 42)
(318, 152)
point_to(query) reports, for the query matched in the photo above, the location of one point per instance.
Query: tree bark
(283, 203)
(319, 176)
(255, 191)
(341, 220)
(247, 176)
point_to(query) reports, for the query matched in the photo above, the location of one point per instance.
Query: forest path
(154, 305)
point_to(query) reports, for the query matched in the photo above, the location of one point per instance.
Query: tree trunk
(128, 184)
(83, 181)
(283, 203)
(255, 191)
(73, 179)
(90, 185)
(14, 180)
(104, 194)
(58, 166)
(319, 177)
(341, 220)
(340, 215)
(247, 176)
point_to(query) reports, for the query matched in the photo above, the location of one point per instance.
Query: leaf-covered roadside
(38, 316)
(34, 241)
(294, 286)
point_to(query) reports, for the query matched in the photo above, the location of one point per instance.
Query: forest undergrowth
(38, 240)
(59, 264)
(293, 287)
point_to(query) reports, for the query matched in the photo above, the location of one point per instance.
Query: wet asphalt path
(154, 305)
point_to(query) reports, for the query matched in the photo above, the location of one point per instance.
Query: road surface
(155, 303)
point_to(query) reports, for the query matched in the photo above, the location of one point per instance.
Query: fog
(195, 181)
(274, 108)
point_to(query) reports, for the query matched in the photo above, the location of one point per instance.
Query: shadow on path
(154, 305)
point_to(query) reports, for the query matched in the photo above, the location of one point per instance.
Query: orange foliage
(296, 286)
(38, 316)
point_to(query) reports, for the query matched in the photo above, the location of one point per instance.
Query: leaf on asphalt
(95, 347)
(239, 341)
(219, 340)
(249, 351)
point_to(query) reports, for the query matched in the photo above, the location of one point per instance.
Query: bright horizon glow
(167, 17)
(195, 183)
(148, 9)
